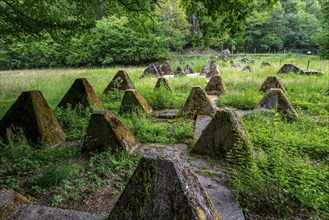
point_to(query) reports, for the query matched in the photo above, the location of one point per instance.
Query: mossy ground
(290, 163)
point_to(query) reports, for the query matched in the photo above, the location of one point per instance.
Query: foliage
(280, 179)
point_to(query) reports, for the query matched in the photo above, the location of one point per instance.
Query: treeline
(120, 39)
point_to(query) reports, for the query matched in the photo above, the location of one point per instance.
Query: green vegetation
(286, 176)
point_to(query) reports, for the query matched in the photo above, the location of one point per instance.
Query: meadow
(287, 176)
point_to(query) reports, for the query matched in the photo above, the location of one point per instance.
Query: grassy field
(287, 177)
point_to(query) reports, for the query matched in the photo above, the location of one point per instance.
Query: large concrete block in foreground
(32, 114)
(223, 134)
(81, 92)
(10, 201)
(198, 103)
(106, 131)
(120, 81)
(163, 187)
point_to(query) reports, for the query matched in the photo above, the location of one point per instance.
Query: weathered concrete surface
(37, 212)
(212, 177)
(166, 69)
(163, 83)
(215, 86)
(163, 187)
(179, 71)
(198, 103)
(276, 99)
(223, 134)
(81, 92)
(32, 114)
(10, 201)
(265, 64)
(132, 100)
(201, 123)
(311, 72)
(106, 131)
(120, 81)
(152, 70)
(204, 71)
(287, 68)
(271, 82)
(166, 113)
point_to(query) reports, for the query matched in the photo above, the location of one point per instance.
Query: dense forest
(125, 35)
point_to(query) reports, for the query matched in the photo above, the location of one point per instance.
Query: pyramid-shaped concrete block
(276, 99)
(152, 70)
(166, 69)
(106, 131)
(198, 103)
(132, 100)
(32, 114)
(215, 86)
(247, 69)
(163, 83)
(81, 92)
(188, 69)
(120, 81)
(223, 134)
(287, 68)
(271, 82)
(163, 187)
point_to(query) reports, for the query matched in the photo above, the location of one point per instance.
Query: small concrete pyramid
(163, 83)
(198, 103)
(179, 71)
(188, 69)
(271, 82)
(205, 71)
(163, 187)
(215, 86)
(222, 135)
(275, 98)
(152, 70)
(32, 114)
(247, 69)
(287, 68)
(106, 131)
(81, 92)
(166, 69)
(132, 100)
(121, 81)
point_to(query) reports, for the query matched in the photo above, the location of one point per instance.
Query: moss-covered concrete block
(276, 99)
(106, 131)
(32, 114)
(163, 83)
(223, 134)
(132, 100)
(166, 69)
(152, 70)
(271, 82)
(120, 81)
(198, 103)
(10, 201)
(81, 92)
(215, 86)
(163, 187)
(287, 68)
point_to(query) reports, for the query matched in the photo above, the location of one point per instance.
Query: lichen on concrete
(81, 92)
(10, 201)
(163, 187)
(132, 100)
(106, 131)
(120, 81)
(223, 134)
(215, 86)
(276, 99)
(271, 82)
(32, 114)
(198, 103)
